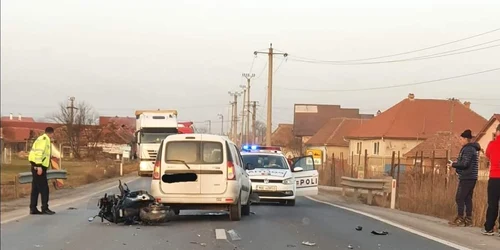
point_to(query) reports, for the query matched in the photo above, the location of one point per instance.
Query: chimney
(411, 96)
(467, 104)
(20, 117)
(10, 117)
(379, 112)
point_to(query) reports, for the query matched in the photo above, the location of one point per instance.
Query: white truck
(152, 126)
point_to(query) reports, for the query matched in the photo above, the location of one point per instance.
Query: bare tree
(260, 130)
(77, 130)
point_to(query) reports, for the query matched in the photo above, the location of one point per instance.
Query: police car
(275, 179)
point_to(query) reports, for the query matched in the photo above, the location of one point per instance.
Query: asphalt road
(270, 227)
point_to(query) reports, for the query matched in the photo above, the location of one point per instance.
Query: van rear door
(180, 157)
(213, 167)
(205, 158)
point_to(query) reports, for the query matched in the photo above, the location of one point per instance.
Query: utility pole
(269, 124)
(230, 117)
(248, 76)
(235, 114)
(209, 126)
(71, 108)
(243, 112)
(222, 123)
(254, 113)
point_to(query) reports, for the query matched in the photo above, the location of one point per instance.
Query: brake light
(156, 171)
(230, 171)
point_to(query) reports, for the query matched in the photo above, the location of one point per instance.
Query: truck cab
(152, 126)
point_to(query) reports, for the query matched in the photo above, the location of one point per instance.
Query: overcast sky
(123, 55)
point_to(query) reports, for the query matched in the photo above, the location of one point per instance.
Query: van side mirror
(298, 169)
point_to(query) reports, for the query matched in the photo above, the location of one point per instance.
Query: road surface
(269, 227)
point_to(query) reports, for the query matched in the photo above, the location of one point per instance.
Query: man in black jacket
(466, 166)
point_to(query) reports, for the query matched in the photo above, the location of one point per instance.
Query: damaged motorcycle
(131, 208)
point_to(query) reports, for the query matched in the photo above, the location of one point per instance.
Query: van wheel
(235, 211)
(290, 203)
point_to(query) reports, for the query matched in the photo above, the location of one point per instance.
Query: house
(407, 124)
(309, 118)
(487, 133)
(124, 122)
(19, 118)
(284, 138)
(441, 146)
(330, 138)
(18, 135)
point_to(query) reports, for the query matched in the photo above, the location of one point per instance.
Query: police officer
(39, 158)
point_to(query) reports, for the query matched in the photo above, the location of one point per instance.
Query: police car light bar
(260, 148)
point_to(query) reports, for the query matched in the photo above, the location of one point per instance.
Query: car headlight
(288, 181)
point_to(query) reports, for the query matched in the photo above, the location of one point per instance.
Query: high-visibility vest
(40, 151)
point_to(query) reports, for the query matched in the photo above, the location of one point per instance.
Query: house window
(359, 147)
(376, 148)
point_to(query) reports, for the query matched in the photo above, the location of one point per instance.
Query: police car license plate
(266, 188)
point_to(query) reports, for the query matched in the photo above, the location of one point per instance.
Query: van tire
(235, 211)
(290, 203)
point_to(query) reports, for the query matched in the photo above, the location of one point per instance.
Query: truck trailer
(152, 126)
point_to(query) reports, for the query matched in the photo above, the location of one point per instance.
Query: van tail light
(156, 171)
(231, 175)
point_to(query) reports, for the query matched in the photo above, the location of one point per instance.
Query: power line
(407, 52)
(431, 56)
(393, 86)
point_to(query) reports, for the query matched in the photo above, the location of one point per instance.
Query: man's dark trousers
(464, 197)
(39, 185)
(493, 199)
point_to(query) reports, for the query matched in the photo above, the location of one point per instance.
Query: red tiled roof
(32, 125)
(440, 143)
(334, 131)
(420, 118)
(308, 122)
(283, 135)
(482, 132)
(16, 119)
(128, 122)
(12, 134)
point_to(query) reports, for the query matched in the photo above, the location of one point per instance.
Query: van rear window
(194, 152)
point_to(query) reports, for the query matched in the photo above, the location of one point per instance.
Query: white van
(201, 171)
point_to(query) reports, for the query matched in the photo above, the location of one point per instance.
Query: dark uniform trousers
(39, 185)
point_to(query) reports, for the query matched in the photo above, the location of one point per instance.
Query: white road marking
(408, 229)
(220, 234)
(66, 202)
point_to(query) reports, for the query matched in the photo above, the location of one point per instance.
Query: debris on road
(72, 208)
(198, 243)
(252, 212)
(350, 247)
(290, 245)
(359, 228)
(379, 232)
(307, 243)
(234, 236)
(37, 246)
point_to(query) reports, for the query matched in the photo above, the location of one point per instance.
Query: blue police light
(246, 147)
(254, 147)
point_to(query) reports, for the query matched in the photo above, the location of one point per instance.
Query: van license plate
(266, 188)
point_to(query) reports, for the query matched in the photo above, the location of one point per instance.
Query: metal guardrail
(386, 185)
(27, 177)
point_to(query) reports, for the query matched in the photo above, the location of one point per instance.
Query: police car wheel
(245, 210)
(290, 203)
